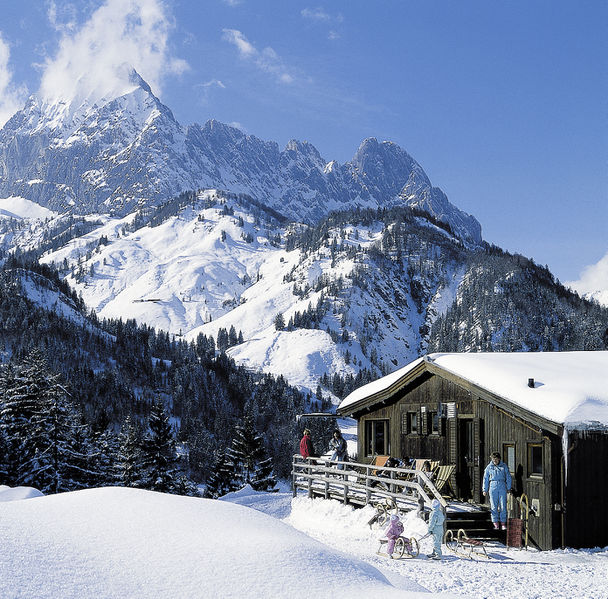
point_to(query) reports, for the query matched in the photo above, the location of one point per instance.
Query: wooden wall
(503, 428)
(586, 490)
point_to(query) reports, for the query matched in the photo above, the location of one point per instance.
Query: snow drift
(118, 542)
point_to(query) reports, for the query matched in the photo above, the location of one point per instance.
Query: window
(535, 459)
(412, 423)
(508, 452)
(434, 423)
(376, 437)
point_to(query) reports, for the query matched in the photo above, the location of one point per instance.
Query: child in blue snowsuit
(436, 528)
(497, 483)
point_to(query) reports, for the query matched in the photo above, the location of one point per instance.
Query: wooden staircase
(477, 525)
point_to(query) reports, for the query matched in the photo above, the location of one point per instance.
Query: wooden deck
(362, 484)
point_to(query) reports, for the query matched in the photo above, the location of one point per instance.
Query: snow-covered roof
(570, 388)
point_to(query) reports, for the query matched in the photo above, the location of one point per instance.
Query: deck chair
(442, 478)
(418, 463)
(379, 460)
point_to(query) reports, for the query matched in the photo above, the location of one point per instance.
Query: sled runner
(462, 545)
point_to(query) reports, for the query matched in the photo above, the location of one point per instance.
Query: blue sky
(504, 104)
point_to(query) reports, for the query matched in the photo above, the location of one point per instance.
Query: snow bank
(17, 493)
(117, 542)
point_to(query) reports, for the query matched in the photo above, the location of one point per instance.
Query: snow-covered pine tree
(128, 464)
(40, 427)
(159, 456)
(75, 460)
(221, 480)
(8, 449)
(248, 459)
(103, 450)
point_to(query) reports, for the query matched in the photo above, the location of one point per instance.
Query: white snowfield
(569, 387)
(20, 208)
(128, 543)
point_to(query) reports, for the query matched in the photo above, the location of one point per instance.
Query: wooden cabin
(546, 413)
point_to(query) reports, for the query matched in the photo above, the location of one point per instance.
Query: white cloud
(67, 21)
(12, 96)
(214, 83)
(266, 60)
(205, 89)
(316, 14)
(239, 126)
(593, 281)
(94, 60)
(236, 38)
(321, 16)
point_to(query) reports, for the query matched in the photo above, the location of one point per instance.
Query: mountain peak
(136, 79)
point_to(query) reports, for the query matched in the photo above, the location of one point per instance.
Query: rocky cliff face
(117, 154)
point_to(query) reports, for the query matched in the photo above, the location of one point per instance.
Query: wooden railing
(363, 483)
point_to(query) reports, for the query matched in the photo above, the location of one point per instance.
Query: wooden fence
(362, 484)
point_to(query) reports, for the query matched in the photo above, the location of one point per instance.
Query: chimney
(531, 383)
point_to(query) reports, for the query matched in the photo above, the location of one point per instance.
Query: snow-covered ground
(117, 542)
(17, 207)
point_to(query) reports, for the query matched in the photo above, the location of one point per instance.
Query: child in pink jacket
(395, 528)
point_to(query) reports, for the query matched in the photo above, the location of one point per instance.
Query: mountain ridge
(129, 151)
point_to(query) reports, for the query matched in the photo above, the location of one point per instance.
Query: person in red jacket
(306, 449)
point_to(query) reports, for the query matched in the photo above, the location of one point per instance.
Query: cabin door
(468, 458)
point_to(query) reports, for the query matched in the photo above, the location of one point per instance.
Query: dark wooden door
(466, 464)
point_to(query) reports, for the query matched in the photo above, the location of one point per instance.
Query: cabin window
(434, 423)
(376, 437)
(508, 452)
(412, 423)
(535, 459)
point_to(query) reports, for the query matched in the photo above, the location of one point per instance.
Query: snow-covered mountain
(97, 188)
(210, 260)
(215, 264)
(119, 153)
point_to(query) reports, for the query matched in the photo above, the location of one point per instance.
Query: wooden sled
(384, 510)
(462, 545)
(404, 547)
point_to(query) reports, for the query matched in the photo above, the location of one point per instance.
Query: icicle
(565, 454)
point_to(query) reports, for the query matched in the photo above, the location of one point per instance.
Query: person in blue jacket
(497, 483)
(436, 528)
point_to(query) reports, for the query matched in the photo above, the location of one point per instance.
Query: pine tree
(129, 458)
(41, 429)
(222, 340)
(279, 322)
(248, 459)
(233, 338)
(75, 460)
(221, 480)
(159, 457)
